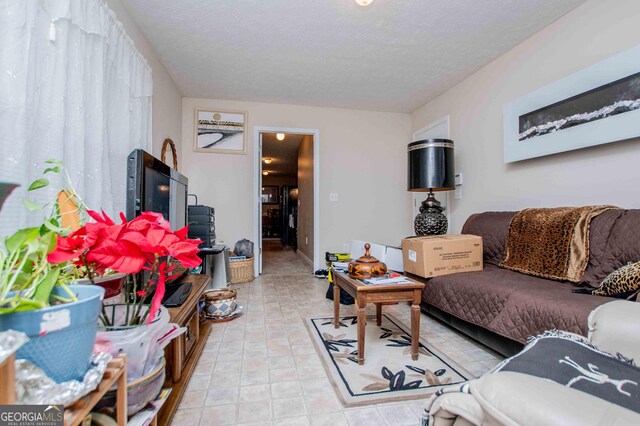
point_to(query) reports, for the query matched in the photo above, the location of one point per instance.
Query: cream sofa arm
(509, 398)
(615, 327)
(455, 409)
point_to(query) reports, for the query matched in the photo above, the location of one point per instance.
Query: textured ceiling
(395, 55)
(283, 153)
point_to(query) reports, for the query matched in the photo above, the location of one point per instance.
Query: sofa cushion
(572, 362)
(511, 304)
(551, 243)
(622, 246)
(493, 227)
(621, 283)
(598, 239)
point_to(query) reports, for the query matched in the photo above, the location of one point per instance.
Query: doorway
(286, 209)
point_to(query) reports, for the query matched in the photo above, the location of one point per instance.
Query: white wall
(305, 197)
(362, 158)
(167, 101)
(607, 174)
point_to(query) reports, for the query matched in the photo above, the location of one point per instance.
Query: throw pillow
(621, 283)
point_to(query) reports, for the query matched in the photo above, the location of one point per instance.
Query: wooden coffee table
(378, 294)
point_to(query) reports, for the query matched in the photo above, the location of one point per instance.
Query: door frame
(257, 184)
(444, 120)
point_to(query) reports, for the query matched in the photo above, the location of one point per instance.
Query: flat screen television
(152, 186)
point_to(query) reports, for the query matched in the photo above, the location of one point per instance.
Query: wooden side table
(7, 384)
(116, 372)
(378, 294)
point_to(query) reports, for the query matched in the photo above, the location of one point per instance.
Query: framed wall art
(269, 194)
(597, 105)
(220, 131)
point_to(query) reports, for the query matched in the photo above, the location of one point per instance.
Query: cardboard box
(391, 256)
(336, 257)
(436, 255)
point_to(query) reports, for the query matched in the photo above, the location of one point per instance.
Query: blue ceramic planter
(61, 337)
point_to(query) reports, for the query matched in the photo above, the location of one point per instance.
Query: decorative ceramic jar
(366, 266)
(220, 302)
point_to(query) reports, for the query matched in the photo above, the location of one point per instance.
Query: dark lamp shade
(431, 165)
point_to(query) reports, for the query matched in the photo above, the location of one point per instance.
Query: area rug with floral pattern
(388, 374)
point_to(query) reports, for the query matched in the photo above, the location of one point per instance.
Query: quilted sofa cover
(518, 306)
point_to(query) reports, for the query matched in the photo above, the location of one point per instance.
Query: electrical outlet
(333, 196)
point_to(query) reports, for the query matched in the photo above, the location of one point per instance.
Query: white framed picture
(597, 105)
(220, 131)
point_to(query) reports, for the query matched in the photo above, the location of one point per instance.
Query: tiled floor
(262, 369)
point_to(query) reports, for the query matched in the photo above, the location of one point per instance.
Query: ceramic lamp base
(430, 220)
(429, 223)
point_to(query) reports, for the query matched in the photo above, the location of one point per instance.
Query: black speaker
(201, 220)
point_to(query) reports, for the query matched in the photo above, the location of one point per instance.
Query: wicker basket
(241, 271)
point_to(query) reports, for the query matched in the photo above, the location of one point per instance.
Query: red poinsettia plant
(145, 243)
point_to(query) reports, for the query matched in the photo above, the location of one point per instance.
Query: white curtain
(74, 88)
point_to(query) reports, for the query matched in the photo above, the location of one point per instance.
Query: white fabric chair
(509, 398)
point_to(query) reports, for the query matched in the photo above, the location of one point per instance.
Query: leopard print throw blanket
(550, 243)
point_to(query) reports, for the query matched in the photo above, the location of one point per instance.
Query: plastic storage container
(144, 344)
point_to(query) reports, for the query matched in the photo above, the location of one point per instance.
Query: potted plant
(144, 244)
(35, 298)
(71, 212)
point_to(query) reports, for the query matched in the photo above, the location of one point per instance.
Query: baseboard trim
(305, 258)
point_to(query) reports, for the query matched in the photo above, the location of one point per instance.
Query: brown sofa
(503, 308)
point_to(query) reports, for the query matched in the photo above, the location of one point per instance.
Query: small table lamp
(431, 169)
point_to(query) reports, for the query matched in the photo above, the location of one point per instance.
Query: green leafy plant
(26, 277)
(66, 209)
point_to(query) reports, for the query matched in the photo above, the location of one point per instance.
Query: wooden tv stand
(183, 353)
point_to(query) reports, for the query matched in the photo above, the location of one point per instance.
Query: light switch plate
(457, 194)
